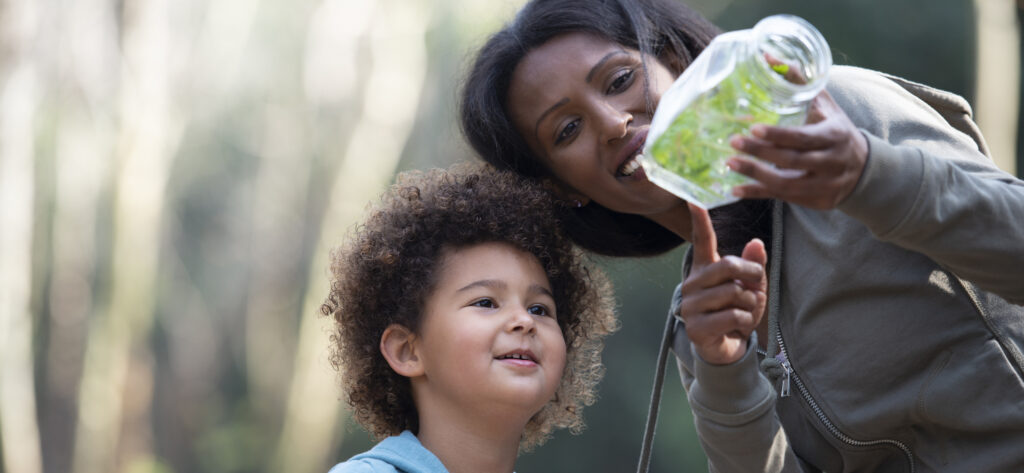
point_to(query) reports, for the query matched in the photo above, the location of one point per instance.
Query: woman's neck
(676, 220)
(471, 444)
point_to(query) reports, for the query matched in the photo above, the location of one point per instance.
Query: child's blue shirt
(401, 453)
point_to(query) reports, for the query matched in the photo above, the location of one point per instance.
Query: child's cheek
(560, 351)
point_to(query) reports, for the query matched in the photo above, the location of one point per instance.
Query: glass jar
(768, 74)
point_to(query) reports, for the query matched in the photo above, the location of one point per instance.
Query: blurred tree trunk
(998, 78)
(19, 429)
(281, 191)
(395, 72)
(86, 58)
(114, 431)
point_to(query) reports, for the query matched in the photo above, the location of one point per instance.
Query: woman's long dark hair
(664, 29)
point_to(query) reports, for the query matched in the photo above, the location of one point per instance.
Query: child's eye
(538, 310)
(567, 131)
(485, 302)
(621, 81)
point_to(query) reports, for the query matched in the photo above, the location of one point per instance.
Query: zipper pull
(784, 388)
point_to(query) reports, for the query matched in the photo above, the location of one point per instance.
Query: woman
(893, 273)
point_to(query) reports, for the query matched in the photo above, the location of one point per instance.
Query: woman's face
(578, 101)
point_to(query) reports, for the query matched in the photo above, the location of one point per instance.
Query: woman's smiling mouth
(628, 162)
(629, 167)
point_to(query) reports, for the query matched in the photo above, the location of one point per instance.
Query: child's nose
(523, 321)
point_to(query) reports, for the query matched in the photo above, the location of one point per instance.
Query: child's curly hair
(386, 271)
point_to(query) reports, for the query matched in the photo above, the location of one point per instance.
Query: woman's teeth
(629, 167)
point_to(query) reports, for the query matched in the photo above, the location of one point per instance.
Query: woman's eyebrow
(593, 70)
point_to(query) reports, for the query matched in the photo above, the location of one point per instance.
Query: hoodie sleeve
(733, 409)
(927, 185)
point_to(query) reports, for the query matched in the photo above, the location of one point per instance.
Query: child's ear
(562, 191)
(398, 346)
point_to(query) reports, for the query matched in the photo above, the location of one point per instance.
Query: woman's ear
(398, 345)
(566, 193)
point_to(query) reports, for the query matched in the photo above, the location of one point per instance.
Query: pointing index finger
(703, 239)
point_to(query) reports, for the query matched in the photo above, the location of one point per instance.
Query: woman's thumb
(754, 251)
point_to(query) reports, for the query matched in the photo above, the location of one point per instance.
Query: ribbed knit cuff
(731, 394)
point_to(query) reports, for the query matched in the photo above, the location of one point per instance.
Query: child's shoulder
(402, 452)
(363, 465)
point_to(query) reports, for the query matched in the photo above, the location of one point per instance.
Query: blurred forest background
(172, 173)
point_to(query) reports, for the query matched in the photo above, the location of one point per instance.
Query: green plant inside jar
(696, 143)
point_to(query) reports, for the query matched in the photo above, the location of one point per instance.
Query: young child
(466, 324)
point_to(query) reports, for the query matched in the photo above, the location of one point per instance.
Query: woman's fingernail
(733, 164)
(758, 131)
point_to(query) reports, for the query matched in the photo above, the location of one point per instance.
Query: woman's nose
(613, 121)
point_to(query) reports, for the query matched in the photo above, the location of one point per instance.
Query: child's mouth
(515, 356)
(519, 358)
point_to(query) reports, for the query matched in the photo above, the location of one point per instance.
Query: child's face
(489, 336)
(578, 101)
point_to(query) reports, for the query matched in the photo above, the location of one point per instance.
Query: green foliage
(696, 145)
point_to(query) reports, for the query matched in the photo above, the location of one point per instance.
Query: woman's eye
(622, 81)
(485, 303)
(567, 131)
(538, 310)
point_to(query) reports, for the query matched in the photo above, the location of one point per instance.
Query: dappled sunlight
(195, 162)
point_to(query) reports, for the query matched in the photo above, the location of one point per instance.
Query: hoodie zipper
(789, 375)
